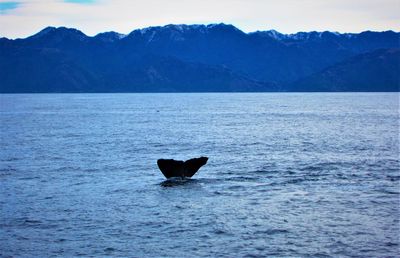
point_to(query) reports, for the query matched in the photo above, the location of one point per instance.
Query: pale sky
(19, 19)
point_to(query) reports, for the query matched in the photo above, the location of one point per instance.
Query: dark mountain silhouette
(379, 69)
(216, 57)
(258, 55)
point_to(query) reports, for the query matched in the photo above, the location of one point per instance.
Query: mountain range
(199, 58)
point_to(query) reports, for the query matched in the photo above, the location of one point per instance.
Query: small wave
(235, 187)
(387, 191)
(391, 244)
(11, 159)
(312, 168)
(321, 255)
(393, 178)
(242, 178)
(7, 172)
(67, 169)
(272, 231)
(294, 181)
(109, 249)
(29, 178)
(32, 221)
(173, 182)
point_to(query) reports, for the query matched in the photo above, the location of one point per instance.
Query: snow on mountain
(110, 36)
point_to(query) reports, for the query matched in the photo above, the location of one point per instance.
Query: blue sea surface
(289, 174)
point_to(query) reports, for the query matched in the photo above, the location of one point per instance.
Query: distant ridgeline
(199, 58)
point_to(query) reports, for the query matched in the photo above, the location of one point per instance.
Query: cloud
(7, 6)
(287, 16)
(80, 1)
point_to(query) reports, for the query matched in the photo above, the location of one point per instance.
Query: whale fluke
(178, 168)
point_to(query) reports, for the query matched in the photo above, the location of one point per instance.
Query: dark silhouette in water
(178, 168)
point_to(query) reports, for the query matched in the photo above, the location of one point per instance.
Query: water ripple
(289, 175)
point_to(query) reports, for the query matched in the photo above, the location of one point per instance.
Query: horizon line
(195, 24)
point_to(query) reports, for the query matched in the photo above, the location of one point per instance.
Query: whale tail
(177, 168)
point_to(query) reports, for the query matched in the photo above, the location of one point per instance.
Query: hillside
(379, 69)
(188, 58)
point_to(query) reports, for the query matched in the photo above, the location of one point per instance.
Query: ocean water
(294, 174)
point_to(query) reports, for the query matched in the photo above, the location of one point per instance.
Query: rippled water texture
(288, 175)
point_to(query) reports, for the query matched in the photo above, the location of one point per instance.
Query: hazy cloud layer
(80, 1)
(23, 18)
(7, 6)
